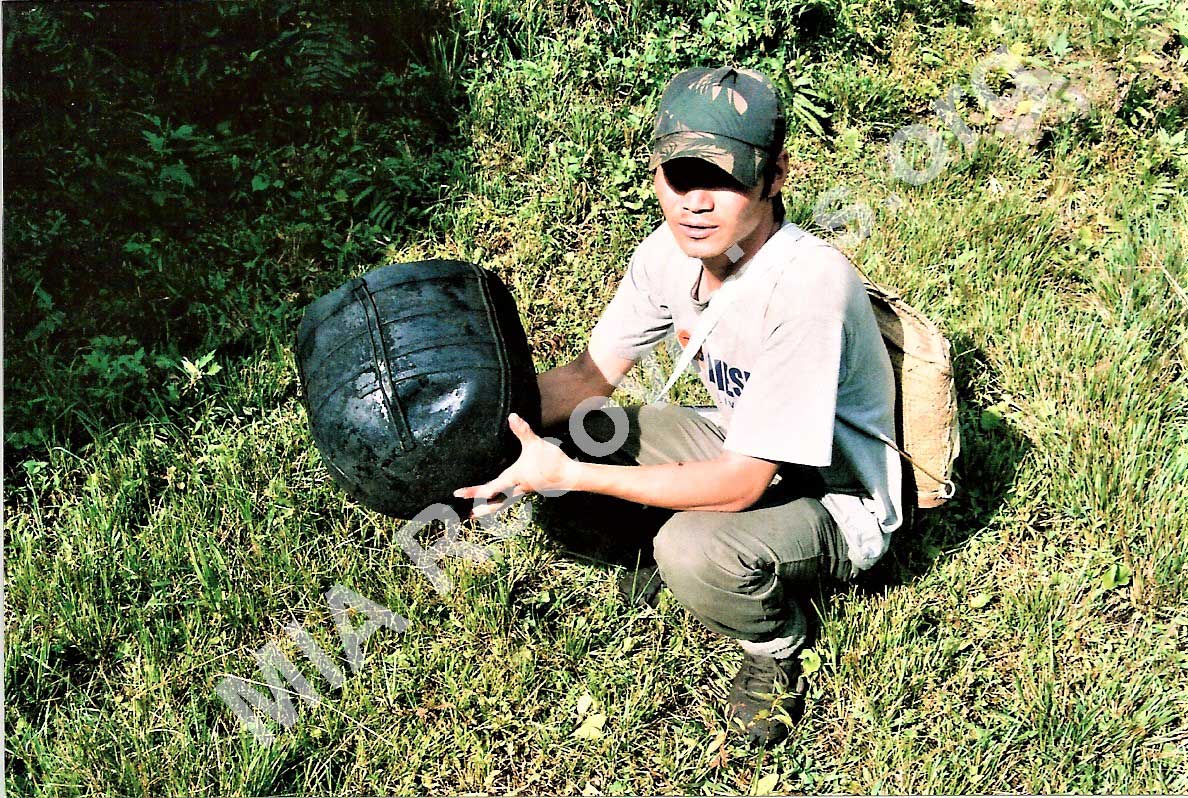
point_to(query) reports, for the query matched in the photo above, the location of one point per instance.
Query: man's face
(707, 210)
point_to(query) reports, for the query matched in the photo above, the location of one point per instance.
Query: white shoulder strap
(720, 302)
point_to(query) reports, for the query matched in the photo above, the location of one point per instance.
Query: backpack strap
(708, 320)
(723, 298)
(948, 488)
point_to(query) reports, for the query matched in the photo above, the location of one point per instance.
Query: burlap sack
(925, 395)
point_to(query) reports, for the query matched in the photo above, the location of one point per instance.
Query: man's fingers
(477, 492)
(484, 509)
(521, 428)
(497, 487)
(492, 507)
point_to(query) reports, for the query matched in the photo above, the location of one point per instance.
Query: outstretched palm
(541, 467)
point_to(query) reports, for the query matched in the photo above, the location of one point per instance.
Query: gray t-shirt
(796, 366)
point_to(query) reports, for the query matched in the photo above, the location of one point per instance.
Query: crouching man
(791, 492)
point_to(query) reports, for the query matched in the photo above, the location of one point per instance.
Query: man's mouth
(698, 230)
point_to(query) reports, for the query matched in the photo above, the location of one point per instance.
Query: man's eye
(691, 175)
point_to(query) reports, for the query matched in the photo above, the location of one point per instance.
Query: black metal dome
(408, 375)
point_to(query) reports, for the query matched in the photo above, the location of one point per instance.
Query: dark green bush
(179, 178)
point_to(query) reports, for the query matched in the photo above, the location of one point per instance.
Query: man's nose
(698, 200)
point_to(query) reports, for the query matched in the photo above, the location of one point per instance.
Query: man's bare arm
(592, 373)
(729, 483)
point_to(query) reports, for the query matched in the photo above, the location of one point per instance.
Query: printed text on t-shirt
(728, 379)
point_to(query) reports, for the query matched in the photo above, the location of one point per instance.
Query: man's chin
(705, 250)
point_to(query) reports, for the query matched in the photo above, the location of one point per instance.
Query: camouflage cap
(729, 117)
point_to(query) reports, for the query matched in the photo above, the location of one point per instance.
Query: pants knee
(724, 587)
(694, 561)
(676, 552)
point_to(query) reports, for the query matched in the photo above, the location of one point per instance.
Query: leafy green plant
(324, 52)
(51, 319)
(802, 95)
(164, 175)
(111, 360)
(1126, 19)
(200, 369)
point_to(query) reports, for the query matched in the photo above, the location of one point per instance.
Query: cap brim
(738, 159)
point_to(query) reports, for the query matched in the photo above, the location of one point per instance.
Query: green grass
(1031, 636)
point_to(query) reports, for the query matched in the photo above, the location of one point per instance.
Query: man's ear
(781, 174)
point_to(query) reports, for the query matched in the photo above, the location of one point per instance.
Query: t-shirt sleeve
(786, 411)
(636, 318)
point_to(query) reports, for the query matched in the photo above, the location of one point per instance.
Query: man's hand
(541, 467)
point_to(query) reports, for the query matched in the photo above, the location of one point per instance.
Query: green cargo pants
(750, 575)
